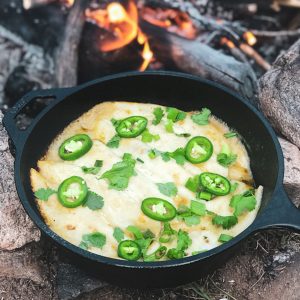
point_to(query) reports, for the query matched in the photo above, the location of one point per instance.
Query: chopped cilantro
(168, 189)
(147, 137)
(198, 208)
(140, 160)
(233, 187)
(153, 153)
(183, 242)
(148, 234)
(198, 252)
(169, 126)
(225, 221)
(183, 134)
(178, 155)
(115, 122)
(135, 231)
(243, 202)
(95, 239)
(192, 183)
(158, 114)
(93, 201)
(118, 234)
(93, 170)
(226, 158)
(118, 176)
(44, 194)
(175, 114)
(201, 118)
(229, 135)
(114, 142)
(225, 238)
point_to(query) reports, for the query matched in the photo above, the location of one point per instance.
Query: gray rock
(16, 229)
(292, 170)
(72, 282)
(279, 94)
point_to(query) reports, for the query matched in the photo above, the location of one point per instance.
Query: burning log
(194, 57)
(66, 59)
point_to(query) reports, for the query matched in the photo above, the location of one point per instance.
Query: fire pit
(248, 46)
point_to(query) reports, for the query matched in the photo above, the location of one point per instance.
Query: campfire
(90, 38)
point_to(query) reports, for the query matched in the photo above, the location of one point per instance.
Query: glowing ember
(173, 20)
(227, 42)
(249, 38)
(147, 54)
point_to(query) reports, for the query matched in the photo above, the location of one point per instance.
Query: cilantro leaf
(95, 239)
(168, 189)
(153, 153)
(148, 234)
(165, 156)
(114, 142)
(140, 160)
(93, 201)
(233, 187)
(44, 194)
(169, 126)
(229, 135)
(226, 158)
(147, 137)
(115, 122)
(223, 238)
(225, 221)
(192, 220)
(198, 208)
(183, 242)
(118, 176)
(201, 118)
(118, 234)
(178, 155)
(158, 114)
(93, 170)
(192, 183)
(135, 231)
(183, 134)
(175, 114)
(243, 202)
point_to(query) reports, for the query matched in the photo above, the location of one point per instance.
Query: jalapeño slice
(72, 192)
(132, 126)
(215, 183)
(75, 147)
(158, 209)
(129, 250)
(198, 149)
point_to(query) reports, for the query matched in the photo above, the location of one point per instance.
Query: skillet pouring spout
(280, 213)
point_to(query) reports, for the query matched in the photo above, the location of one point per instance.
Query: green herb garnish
(225, 221)
(168, 189)
(118, 176)
(183, 242)
(158, 114)
(229, 135)
(226, 158)
(118, 234)
(193, 183)
(95, 239)
(243, 202)
(175, 114)
(44, 194)
(93, 170)
(114, 142)
(201, 118)
(93, 201)
(225, 238)
(147, 137)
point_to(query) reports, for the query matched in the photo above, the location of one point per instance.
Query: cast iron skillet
(171, 89)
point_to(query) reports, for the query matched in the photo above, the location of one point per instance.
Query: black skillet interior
(182, 91)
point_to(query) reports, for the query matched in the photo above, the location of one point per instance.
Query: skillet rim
(133, 264)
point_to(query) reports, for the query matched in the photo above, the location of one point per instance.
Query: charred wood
(194, 57)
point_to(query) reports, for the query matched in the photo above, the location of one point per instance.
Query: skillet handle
(280, 213)
(9, 119)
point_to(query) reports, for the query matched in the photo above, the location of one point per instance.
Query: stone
(291, 170)
(16, 228)
(279, 94)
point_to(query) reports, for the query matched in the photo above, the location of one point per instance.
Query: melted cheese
(122, 208)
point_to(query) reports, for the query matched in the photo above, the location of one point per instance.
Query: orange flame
(68, 3)
(250, 38)
(121, 27)
(227, 42)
